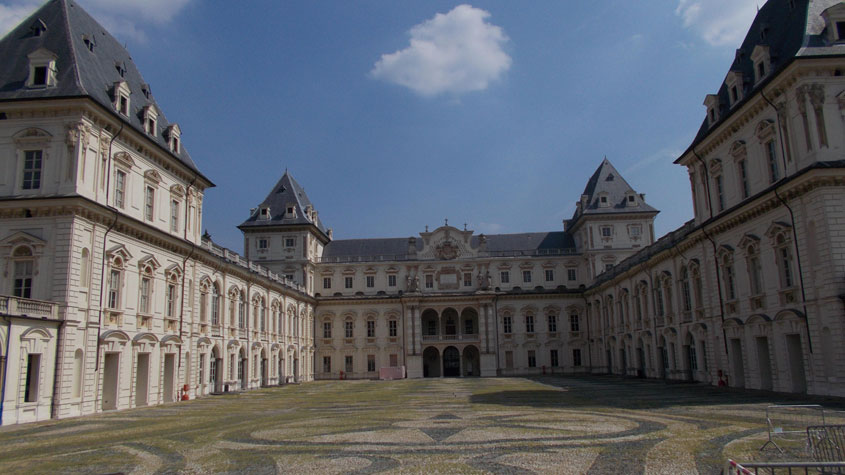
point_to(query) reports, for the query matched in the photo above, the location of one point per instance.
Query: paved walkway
(500, 425)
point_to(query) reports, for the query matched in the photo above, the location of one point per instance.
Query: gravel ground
(501, 425)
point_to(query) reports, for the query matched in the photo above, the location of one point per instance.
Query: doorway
(111, 367)
(451, 362)
(169, 377)
(142, 379)
(764, 363)
(431, 363)
(796, 363)
(737, 367)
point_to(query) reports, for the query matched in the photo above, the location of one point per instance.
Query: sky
(396, 115)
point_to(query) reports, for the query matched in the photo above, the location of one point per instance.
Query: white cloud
(663, 155)
(124, 18)
(718, 22)
(454, 53)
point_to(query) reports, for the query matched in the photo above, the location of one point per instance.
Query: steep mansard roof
(529, 243)
(285, 192)
(791, 29)
(606, 181)
(80, 72)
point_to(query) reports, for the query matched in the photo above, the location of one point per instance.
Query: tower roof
(608, 193)
(89, 62)
(285, 193)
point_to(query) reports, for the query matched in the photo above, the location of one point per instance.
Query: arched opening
(472, 361)
(451, 362)
(264, 368)
(641, 366)
(431, 363)
(281, 367)
(214, 366)
(242, 374)
(449, 318)
(469, 322)
(429, 323)
(663, 367)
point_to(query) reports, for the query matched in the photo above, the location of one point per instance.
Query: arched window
(686, 295)
(215, 304)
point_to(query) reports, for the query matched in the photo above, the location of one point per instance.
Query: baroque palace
(112, 298)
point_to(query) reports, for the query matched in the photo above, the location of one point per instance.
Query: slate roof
(529, 243)
(80, 71)
(607, 180)
(789, 33)
(286, 191)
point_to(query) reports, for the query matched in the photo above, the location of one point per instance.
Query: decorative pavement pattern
(499, 425)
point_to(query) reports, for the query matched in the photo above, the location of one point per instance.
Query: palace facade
(113, 299)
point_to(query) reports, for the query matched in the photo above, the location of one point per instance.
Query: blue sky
(396, 114)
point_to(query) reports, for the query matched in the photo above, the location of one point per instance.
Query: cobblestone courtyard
(500, 425)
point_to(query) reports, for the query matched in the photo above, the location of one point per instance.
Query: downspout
(53, 414)
(103, 280)
(402, 301)
(184, 267)
(589, 347)
(496, 321)
(792, 219)
(5, 367)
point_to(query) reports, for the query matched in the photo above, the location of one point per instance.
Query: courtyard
(499, 425)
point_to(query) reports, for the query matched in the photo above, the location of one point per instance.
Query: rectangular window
(467, 279)
(348, 326)
(371, 281)
(743, 178)
(529, 323)
(124, 105)
(32, 170)
(526, 276)
(327, 364)
(114, 288)
(505, 277)
(371, 363)
(39, 76)
(33, 365)
(263, 244)
(348, 364)
(574, 324)
(576, 357)
(720, 192)
(347, 282)
(552, 323)
(394, 360)
(146, 287)
(507, 323)
(149, 203)
(755, 270)
(532, 359)
(606, 231)
(550, 275)
(469, 327)
(636, 230)
(429, 281)
(170, 310)
(120, 189)
(23, 279)
(786, 266)
(772, 160)
(571, 275)
(327, 329)
(509, 360)
(553, 360)
(327, 282)
(290, 242)
(840, 30)
(392, 327)
(371, 329)
(391, 280)
(729, 283)
(174, 216)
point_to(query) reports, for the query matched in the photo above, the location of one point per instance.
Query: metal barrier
(790, 422)
(827, 442)
(754, 468)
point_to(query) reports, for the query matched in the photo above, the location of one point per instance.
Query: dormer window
(734, 85)
(121, 97)
(603, 201)
(290, 212)
(42, 69)
(264, 213)
(89, 42)
(631, 199)
(712, 104)
(38, 27)
(762, 62)
(173, 135)
(150, 119)
(834, 19)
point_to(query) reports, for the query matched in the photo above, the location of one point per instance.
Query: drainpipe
(496, 321)
(589, 346)
(5, 367)
(185, 270)
(56, 372)
(792, 219)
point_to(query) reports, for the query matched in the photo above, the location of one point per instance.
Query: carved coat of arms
(447, 250)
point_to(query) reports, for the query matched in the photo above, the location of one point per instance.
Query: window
(347, 282)
(327, 364)
(327, 282)
(371, 363)
(371, 281)
(429, 281)
(149, 202)
(371, 329)
(693, 363)
(526, 276)
(552, 320)
(120, 189)
(391, 280)
(290, 242)
(728, 276)
(123, 104)
(772, 161)
(32, 170)
(23, 276)
(532, 359)
(720, 192)
(392, 327)
(529, 323)
(114, 289)
(241, 311)
(150, 121)
(327, 329)
(606, 231)
(467, 279)
(348, 327)
(39, 76)
(145, 294)
(783, 252)
(576, 357)
(348, 363)
(263, 244)
(743, 177)
(635, 230)
(686, 298)
(170, 300)
(507, 323)
(553, 360)
(394, 360)
(550, 275)
(505, 277)
(755, 271)
(574, 324)
(33, 365)
(174, 216)
(840, 30)
(173, 134)
(469, 328)
(84, 267)
(571, 275)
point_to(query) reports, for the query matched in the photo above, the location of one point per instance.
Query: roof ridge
(74, 63)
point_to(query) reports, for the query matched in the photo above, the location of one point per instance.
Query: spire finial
(465, 226)
(447, 221)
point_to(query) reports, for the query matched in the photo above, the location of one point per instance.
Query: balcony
(446, 338)
(28, 307)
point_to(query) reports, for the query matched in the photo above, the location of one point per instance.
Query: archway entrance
(214, 370)
(451, 362)
(472, 361)
(242, 370)
(264, 368)
(431, 363)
